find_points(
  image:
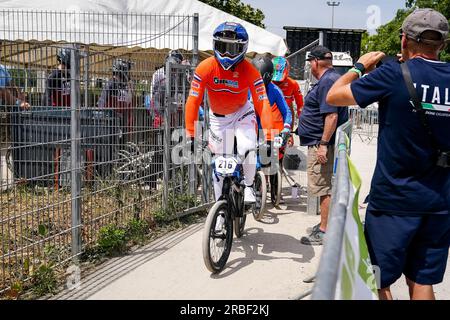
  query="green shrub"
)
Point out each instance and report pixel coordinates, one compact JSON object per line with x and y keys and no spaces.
{"x":112,"y":240}
{"x":160,"y":216}
{"x":137,"y":230}
{"x":44,"y":280}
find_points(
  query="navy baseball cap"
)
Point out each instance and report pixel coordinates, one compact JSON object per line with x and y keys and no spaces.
{"x":320,"y":53}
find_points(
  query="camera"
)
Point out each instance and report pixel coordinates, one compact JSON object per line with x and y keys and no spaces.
{"x":387,"y":59}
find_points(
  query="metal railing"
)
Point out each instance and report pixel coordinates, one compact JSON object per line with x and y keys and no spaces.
{"x":328,"y":271}
{"x":298,"y":70}
{"x":94,"y":146}
{"x":365,"y":122}
{"x":345,"y":270}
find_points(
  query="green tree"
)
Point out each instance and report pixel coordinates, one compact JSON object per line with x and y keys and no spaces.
{"x":387,"y":39}
{"x":443,"y":6}
{"x":239,"y":9}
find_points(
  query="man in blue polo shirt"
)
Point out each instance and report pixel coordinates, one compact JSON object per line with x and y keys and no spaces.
{"x":317,"y":128}
{"x":408,"y":217}
{"x":9,"y":94}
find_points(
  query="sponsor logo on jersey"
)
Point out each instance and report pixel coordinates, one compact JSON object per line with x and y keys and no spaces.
{"x":227,"y":83}
{"x":214,"y":136}
{"x":262,"y":97}
{"x":235,"y":74}
{"x":260,"y":89}
{"x":193,"y":93}
{"x":195,"y":85}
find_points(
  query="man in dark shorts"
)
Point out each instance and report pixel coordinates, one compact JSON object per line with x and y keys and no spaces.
{"x":408,"y":217}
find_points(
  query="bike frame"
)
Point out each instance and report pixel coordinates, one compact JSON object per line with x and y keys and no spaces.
{"x":233,"y":193}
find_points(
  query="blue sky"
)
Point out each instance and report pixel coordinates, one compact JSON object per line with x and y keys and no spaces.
{"x":316,"y":13}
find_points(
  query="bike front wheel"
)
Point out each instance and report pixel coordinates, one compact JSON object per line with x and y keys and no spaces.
{"x":239,"y":225}
{"x":217,"y":237}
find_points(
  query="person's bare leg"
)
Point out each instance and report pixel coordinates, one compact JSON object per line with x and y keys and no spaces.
{"x":420,"y":291}
{"x":324,"y":209}
{"x":385,"y":294}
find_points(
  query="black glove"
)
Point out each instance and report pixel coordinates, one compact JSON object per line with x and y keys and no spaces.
{"x":285,"y":136}
{"x":269,"y":148}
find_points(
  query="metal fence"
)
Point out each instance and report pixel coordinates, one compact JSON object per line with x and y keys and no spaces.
{"x":94,"y":145}
{"x":297,"y":61}
{"x":327,"y":273}
{"x":365,"y":122}
{"x":345,"y":270}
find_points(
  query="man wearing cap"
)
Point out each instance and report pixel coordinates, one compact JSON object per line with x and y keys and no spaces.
{"x":317,"y":127}
{"x":407,"y":224}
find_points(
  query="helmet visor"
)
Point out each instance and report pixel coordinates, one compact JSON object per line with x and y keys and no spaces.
{"x":228,"y":48}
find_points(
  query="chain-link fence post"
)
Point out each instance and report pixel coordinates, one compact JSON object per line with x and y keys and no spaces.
{"x":195,"y":39}
{"x":206,"y":156}
{"x":75,"y":149}
{"x":166,"y":139}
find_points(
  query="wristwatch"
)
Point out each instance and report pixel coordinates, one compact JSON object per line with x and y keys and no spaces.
{"x":323,"y":143}
{"x":359,"y":66}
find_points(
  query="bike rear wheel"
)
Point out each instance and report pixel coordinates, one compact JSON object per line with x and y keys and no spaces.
{"x":217,"y":237}
{"x":275,"y":188}
{"x":261,"y":195}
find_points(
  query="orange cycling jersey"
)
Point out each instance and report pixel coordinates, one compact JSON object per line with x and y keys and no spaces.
{"x":227,"y":92}
{"x":291,"y":92}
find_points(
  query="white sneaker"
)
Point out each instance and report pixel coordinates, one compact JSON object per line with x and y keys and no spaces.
{"x":249,"y":195}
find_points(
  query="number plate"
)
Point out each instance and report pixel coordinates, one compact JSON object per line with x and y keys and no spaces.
{"x":225,"y":166}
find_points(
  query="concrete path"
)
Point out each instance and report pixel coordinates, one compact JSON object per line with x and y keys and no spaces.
{"x":268,"y":262}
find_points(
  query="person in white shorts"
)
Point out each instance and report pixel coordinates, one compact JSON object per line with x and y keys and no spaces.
{"x":228,"y":77}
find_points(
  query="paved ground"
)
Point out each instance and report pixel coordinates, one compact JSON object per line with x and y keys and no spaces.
{"x":267,"y":263}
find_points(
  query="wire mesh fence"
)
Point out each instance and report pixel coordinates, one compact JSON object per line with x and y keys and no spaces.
{"x":297,"y":61}
{"x":89,"y":104}
{"x":365,"y":122}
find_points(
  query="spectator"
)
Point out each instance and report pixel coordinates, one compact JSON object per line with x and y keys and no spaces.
{"x":9,"y":93}
{"x":407,"y":223}
{"x":158,"y":87}
{"x":118,"y":93}
{"x":57,"y":89}
{"x":317,"y":128}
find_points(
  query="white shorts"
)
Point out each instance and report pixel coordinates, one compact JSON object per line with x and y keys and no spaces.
{"x":223,"y":129}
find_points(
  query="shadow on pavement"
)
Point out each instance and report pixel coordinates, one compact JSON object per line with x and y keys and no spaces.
{"x":254,"y":238}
